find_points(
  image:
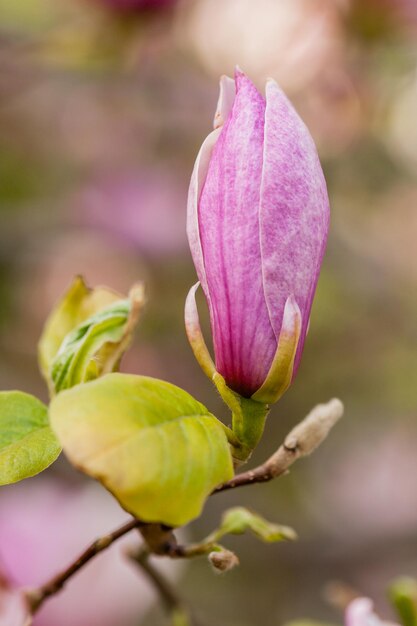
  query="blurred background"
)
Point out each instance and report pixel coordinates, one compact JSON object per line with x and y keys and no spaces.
{"x":103,"y":107}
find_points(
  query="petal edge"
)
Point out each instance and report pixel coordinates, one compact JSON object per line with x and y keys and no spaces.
{"x":281,"y":371}
{"x":195,"y":336}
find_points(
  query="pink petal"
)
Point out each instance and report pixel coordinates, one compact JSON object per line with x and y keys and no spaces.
{"x":360,"y":613}
{"x":229,"y":230}
{"x":294,"y":212}
{"x":197,"y":181}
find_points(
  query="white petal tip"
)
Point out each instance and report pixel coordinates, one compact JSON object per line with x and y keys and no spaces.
{"x":194,"y":334}
{"x":225,"y":102}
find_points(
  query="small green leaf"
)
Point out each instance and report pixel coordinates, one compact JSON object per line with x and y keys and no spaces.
{"x":157,"y":449}
{"x":76,"y":305}
{"x":238,"y":520}
{"x":27,"y":443}
{"x":403,"y":595}
{"x":85,"y":352}
{"x":86,"y":334}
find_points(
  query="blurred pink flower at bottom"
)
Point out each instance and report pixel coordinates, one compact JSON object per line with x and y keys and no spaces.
{"x":44,"y":526}
{"x":360,"y":613}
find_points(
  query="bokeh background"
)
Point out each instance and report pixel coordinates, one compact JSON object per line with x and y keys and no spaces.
{"x":103,"y":106}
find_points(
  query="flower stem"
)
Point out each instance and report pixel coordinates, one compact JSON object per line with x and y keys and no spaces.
{"x":248,"y":419}
{"x":249,"y":423}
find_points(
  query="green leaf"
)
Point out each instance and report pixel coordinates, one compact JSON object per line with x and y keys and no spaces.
{"x":85,"y":352}
{"x":86,"y":334}
{"x":238,"y":520}
{"x":157,"y":449}
{"x":76,"y":305}
{"x":403,"y":595}
{"x":27,"y":443}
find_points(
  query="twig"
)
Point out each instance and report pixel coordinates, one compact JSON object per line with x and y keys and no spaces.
{"x":170,"y":598}
{"x":174,"y":603}
{"x":301,"y":441}
{"x":36,"y":597}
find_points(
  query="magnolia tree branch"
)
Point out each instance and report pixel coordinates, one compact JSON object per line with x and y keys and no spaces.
{"x":36,"y":597}
{"x":300,"y":442}
{"x":173,"y":602}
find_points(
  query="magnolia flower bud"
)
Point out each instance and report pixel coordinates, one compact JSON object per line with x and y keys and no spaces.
{"x":223,"y":561}
{"x":258,"y":216}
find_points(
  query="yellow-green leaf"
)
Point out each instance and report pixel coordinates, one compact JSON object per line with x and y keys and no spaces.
{"x":27,"y":443}
{"x":238,"y":520}
{"x":155,"y":447}
{"x":86,"y":334}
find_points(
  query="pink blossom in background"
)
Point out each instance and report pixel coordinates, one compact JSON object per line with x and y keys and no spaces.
{"x":144,"y":209}
{"x":408,"y":9}
{"x":137,"y":6}
{"x":301,"y":44}
{"x":44,"y":525}
{"x":292,"y":41}
{"x":360,"y":613}
{"x":382,"y":506}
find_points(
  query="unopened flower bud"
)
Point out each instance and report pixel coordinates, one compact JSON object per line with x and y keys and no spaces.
{"x":223,"y":561}
{"x":258,"y":216}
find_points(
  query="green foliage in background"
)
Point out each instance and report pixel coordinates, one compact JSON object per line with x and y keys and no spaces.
{"x":403,"y":595}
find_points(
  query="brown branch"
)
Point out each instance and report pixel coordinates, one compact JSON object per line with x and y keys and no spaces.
{"x":301,"y":441}
{"x":36,"y":597}
{"x":170,"y":598}
{"x":174,"y":603}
